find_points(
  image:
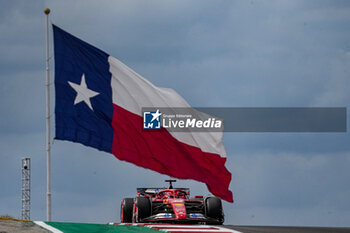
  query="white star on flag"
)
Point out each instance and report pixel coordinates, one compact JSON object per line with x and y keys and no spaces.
{"x":83,"y":92}
{"x":156,"y":115}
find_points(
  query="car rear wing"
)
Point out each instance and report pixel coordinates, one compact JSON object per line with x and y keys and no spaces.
{"x":151,"y":192}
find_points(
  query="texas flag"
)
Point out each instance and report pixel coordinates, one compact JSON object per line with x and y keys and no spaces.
{"x":99,"y":103}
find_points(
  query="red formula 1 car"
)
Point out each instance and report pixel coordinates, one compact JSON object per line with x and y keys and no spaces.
{"x":171,"y":205}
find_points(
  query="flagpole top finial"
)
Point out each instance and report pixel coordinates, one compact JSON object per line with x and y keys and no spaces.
{"x":47,"y":11}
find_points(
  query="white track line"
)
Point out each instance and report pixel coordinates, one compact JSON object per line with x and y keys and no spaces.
{"x":230,"y":230}
{"x":47,"y":227}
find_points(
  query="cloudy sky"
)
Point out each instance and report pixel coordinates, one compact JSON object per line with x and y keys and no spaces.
{"x":215,"y":54}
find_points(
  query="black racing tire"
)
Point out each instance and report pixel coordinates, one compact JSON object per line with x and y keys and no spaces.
{"x":142,"y":208}
{"x":126,"y":210}
{"x":213,"y":209}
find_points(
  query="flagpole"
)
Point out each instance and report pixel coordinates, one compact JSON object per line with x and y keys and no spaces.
{"x":48,"y":143}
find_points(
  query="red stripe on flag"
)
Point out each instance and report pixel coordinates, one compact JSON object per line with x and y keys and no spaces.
{"x":158,"y":150}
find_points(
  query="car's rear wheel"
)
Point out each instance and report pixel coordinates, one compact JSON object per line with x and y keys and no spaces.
{"x":142,"y":208}
{"x":213,"y":209}
{"x":126,"y":210}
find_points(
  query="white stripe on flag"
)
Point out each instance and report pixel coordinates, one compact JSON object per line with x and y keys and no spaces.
{"x":131,"y":91}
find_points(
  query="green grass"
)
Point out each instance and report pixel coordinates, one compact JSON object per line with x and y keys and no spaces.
{"x":95,"y":228}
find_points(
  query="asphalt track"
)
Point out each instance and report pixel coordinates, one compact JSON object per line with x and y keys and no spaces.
{"x":173,"y":228}
{"x":7,"y":226}
{"x":286,"y":229}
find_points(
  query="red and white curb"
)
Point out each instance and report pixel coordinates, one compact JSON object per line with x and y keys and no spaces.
{"x":182,"y":228}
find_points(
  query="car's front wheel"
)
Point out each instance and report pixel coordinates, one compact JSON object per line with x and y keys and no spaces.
{"x":213,"y":209}
{"x":142,"y":208}
{"x":126,"y":210}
